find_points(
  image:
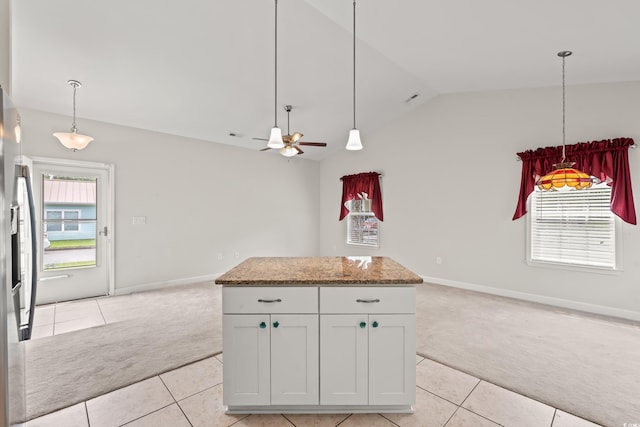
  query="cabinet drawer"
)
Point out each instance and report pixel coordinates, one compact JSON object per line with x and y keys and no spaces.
{"x":368,"y":300}
{"x":269,"y":300}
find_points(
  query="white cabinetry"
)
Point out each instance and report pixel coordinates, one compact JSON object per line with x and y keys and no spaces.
{"x":319,"y":349}
{"x":270,"y":358}
{"x":367,"y":358}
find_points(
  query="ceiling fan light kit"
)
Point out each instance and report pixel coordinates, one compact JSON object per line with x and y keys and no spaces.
{"x":288,"y":151}
{"x":564,"y":176}
{"x":73,"y":140}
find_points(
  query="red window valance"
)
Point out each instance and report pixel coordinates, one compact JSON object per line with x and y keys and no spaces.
{"x":607,"y":160}
{"x":353,"y":185}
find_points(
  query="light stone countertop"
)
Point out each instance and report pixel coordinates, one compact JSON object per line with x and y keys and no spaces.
{"x":319,"y":271}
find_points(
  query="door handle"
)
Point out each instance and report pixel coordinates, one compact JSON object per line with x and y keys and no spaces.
{"x":270,"y":300}
{"x":104,"y":232}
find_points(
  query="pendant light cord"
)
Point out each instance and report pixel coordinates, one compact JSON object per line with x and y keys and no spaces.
{"x":275,"y":98}
{"x":563,"y":113}
{"x":354,"y":64}
{"x":73,"y":124}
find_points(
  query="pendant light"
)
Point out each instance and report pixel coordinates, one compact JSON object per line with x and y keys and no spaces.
{"x":275,"y":138}
{"x":564,"y":176}
{"x":354,"y":143}
{"x":73,"y":140}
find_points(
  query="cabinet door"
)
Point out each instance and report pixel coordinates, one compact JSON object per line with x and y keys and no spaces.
{"x":392,"y":359}
{"x":294,"y":359}
{"x":343,"y":359}
{"x":247,"y":359}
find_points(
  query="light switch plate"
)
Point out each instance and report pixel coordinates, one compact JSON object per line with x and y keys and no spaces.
{"x":139,"y":220}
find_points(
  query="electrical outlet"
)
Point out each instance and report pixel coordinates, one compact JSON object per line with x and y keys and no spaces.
{"x":237,"y":254}
{"x":438,"y":260}
{"x":220,"y":256}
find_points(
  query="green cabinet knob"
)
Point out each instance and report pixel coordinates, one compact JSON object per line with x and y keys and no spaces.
{"x":263,"y":325}
{"x":276,"y":324}
{"x":362,"y":324}
{"x":374,"y":324}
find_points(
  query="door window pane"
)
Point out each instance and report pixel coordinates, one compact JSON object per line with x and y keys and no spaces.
{"x":69,"y":224}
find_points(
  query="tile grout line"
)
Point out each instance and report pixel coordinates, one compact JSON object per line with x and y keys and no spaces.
{"x":86,"y":413}
{"x":472,"y":390}
{"x":395,"y":424}
{"x":100,"y":311}
{"x":451,"y":417}
{"x":553,"y":419}
{"x":438,"y":396}
{"x":342,"y":422}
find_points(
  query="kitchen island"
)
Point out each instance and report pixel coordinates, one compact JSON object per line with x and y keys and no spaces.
{"x":319,"y":335}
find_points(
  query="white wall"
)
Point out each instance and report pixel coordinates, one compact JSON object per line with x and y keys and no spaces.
{"x":200,"y":199}
{"x":451,"y":182}
{"x":5,"y":45}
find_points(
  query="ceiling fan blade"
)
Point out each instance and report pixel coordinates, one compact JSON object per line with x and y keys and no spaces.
{"x":260,"y":139}
{"x":266,"y":148}
{"x":313,"y":144}
{"x":298,"y":148}
{"x":296,"y":136}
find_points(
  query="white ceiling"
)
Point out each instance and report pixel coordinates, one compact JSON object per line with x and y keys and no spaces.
{"x":205,"y":68}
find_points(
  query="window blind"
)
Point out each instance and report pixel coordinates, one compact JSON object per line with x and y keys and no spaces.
{"x":362,"y":227}
{"x":573,"y":227}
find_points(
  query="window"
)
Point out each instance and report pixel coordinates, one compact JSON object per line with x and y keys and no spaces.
{"x":362,"y":225}
{"x":62,"y":220}
{"x":572,"y":228}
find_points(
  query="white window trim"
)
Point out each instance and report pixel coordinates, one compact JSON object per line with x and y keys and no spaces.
{"x":617,"y":270}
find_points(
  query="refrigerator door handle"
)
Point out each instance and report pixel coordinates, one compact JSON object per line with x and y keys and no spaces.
{"x":34,"y":252}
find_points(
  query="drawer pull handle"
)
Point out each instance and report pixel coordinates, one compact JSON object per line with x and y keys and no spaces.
{"x":276,"y":324}
{"x":263,"y":325}
{"x":368,"y":301}
{"x":374,"y":324}
{"x":270,"y":300}
{"x":363,"y":324}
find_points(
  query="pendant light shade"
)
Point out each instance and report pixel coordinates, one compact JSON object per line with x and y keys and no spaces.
{"x":275,"y":138}
{"x":564,"y":176}
{"x":73,"y":140}
{"x":354,"y":142}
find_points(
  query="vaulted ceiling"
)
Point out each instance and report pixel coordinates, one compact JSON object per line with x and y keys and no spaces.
{"x":205,"y":68}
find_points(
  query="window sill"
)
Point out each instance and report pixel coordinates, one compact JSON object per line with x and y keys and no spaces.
{"x":572,"y":267}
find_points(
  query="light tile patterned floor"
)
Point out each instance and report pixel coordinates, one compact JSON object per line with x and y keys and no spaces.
{"x":191,"y":396}
{"x":55,"y":319}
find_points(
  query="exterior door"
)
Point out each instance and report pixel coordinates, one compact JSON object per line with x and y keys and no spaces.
{"x":74,"y":217}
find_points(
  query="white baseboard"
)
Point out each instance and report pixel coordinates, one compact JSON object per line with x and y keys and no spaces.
{"x":558,"y":302}
{"x":159,"y":285}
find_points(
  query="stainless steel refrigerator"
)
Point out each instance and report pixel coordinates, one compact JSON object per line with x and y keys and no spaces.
{"x":18,"y":266}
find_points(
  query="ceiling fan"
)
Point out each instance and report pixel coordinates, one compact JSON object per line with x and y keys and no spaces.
{"x":292,"y":140}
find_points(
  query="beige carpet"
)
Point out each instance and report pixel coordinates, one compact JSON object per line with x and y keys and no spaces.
{"x":582,"y":364}
{"x":153,"y":332}
{"x":585,"y":365}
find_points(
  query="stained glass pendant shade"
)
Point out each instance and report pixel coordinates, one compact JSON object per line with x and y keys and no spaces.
{"x":564,"y":176}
